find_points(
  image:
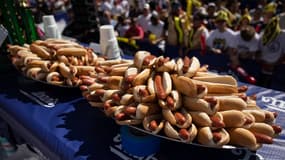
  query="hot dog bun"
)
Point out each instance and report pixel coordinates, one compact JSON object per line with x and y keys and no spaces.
{"x":244,"y":138}
{"x":210,"y":137}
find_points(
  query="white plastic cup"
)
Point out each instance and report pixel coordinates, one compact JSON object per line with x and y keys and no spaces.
{"x":51,"y":31}
{"x":108,"y":42}
{"x":48,"y":20}
{"x":107,"y":32}
{"x":112,"y":50}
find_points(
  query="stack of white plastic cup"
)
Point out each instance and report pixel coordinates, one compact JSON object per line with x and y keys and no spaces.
{"x":50,"y":27}
{"x":108,"y":42}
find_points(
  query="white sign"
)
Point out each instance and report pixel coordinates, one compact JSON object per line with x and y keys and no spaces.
{"x":274,"y":103}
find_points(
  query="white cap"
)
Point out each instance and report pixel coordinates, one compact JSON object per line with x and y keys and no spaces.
{"x":212,"y":5}
{"x":146,"y":6}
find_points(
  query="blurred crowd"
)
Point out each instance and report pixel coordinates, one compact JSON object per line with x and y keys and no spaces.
{"x":243,"y":30}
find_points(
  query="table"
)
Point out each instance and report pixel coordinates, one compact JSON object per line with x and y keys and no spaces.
{"x":72,"y":130}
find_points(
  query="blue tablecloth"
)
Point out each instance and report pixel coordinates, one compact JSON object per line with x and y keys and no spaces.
{"x":74,"y":130}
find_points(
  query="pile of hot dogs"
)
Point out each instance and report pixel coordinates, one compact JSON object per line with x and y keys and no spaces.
{"x":58,"y":62}
{"x":182,"y":100}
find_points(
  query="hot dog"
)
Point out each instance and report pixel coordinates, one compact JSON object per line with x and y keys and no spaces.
{"x":29,"y":59}
{"x":146,"y":109}
{"x":111,"y":82}
{"x":13,"y":49}
{"x":210,"y":137}
{"x":125,"y":99}
{"x":153,"y":123}
{"x":110,"y":107}
{"x":85,"y":70}
{"x":162,"y":85}
{"x":71,"y":52}
{"x":202,"y":119}
{"x":164,"y":65}
{"x":229,"y":103}
{"x":184,"y":134}
{"x":224,"y":79}
{"x":173,"y":101}
{"x":40,"y":51}
{"x":54,"y":78}
{"x":180,"y":118}
{"x":117,"y":71}
{"x":243,"y":137}
{"x":258,"y":114}
{"x":106,"y":94}
{"x":33,"y":72}
{"x":142,"y":94}
{"x":187,"y":67}
{"x":187,"y":87}
{"x":144,"y":59}
{"x":262,"y":128}
{"x":142,"y":77}
{"x":209,"y":105}
{"x":218,"y":88}
{"x":125,"y":115}
{"x":234,"y":118}
{"x":66,"y":71}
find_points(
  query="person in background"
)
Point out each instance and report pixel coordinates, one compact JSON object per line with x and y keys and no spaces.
{"x":257,"y":19}
{"x":155,"y":31}
{"x":269,"y":12}
{"x":177,"y":30}
{"x":221,"y":39}
{"x":211,"y":10}
{"x":245,"y":45}
{"x":144,"y":19}
{"x":126,"y":7}
{"x":117,"y":9}
{"x":272,"y":50}
{"x":245,"y":20}
{"x":234,"y":8}
{"x":198,"y":34}
{"x":135,"y":32}
{"x":282,"y":16}
{"x":106,"y":6}
{"x":122,"y":26}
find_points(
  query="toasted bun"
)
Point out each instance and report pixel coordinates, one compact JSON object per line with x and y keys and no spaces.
{"x":224,"y":79}
{"x":40,"y":51}
{"x":197,"y":104}
{"x":234,"y":118}
{"x":262,"y":128}
{"x":218,"y":88}
{"x":243,"y":137}
{"x":259,"y":115}
{"x":229,"y":103}
{"x":201,"y":119}
{"x":181,"y":82}
{"x":72,"y":51}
